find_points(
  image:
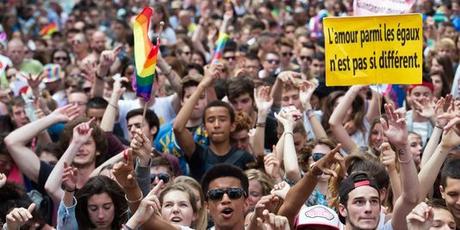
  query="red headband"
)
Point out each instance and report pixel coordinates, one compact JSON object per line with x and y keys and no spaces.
{"x":427,"y":84}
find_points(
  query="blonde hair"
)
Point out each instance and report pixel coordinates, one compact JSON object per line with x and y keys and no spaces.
{"x":265,"y":181}
{"x":201,"y":221}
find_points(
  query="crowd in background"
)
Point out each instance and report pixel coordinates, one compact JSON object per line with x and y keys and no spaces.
{"x":250,"y":139}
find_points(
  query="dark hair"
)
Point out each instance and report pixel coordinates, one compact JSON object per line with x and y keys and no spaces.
{"x":99,"y":185}
{"x":224,"y":170}
{"x":369,"y":164}
{"x":447,"y":67}
{"x":97,"y":134}
{"x":351,"y":182}
{"x":238,"y":86}
{"x":450,"y":169}
{"x":218,"y":103}
{"x":97,"y":103}
{"x":446,"y":84}
{"x":161,"y":161}
{"x":318,"y":56}
{"x":196,"y":67}
{"x":60,"y":49}
{"x":150,"y":117}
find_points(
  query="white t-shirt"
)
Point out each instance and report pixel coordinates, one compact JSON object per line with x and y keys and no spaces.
{"x":163,"y":108}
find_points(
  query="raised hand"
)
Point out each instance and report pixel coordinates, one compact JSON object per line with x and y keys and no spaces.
{"x":141,"y":145}
{"x":424,"y":108}
{"x":272,"y":221}
{"x":2,"y":180}
{"x":272,"y":166}
{"x":89,"y":70}
{"x":149,"y":206}
{"x":212,"y":72}
{"x":19,"y":216}
{"x":387,"y":156}
{"x":34,"y":80}
{"x":69,"y":178}
{"x":420,"y":218}
{"x":124,"y":171}
{"x":65,"y":113}
{"x":289,"y":76}
{"x":306,"y":91}
{"x":325,"y":164}
{"x":268,"y":202}
{"x":288,"y":116}
{"x":107,"y":58}
{"x":281,"y":189}
{"x":82,"y":132}
{"x":263,"y":100}
{"x":451,"y":137}
{"x":395,"y":128}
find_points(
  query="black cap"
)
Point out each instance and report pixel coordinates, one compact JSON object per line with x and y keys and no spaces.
{"x":356,"y":179}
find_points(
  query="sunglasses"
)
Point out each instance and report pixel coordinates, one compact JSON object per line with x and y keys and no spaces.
{"x":161,"y":176}
{"x":273,"y":61}
{"x":317,"y":156}
{"x":229,"y":58}
{"x":287,"y":54}
{"x":308,"y":58}
{"x":233,"y":193}
{"x":60,"y":58}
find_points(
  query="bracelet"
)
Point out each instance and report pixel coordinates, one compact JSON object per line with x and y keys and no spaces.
{"x":439,"y":127}
{"x":134,"y":201}
{"x":126,"y":227}
{"x":64,"y":188}
{"x":289,"y":133}
{"x":404,"y":162}
{"x":260,"y":124}
{"x":114,"y":106}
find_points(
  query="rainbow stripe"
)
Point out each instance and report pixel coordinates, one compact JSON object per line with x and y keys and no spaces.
{"x":48,"y":30}
{"x":220,"y":45}
{"x":145,"y":54}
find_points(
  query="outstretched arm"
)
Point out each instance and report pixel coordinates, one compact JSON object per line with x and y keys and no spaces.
{"x":263,"y":103}
{"x":306,"y":91}
{"x":81,"y":134}
{"x":111,"y":112}
{"x":183,"y":136}
{"x":337,"y":116}
{"x":300,"y":192}
{"x":16,"y":141}
{"x":396,"y":131}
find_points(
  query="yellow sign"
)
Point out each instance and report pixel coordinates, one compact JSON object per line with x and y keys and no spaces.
{"x":373,"y":50}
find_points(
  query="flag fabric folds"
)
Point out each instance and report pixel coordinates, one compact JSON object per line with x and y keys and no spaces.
{"x":220,"y":45}
{"x":48,"y":30}
{"x":145,"y":54}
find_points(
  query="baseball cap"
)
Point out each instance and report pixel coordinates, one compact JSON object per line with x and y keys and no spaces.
{"x":427,"y":84}
{"x":355,"y":180}
{"x":319,"y":216}
{"x":52,"y":73}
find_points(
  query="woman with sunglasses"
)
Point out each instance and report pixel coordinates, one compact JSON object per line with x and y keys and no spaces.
{"x":315,"y":152}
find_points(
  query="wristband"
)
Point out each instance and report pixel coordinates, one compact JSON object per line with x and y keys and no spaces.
{"x":260,"y":124}
{"x":134,"y":201}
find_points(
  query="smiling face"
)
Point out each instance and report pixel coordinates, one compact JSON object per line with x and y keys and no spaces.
{"x":101,"y":210}
{"x":362,"y":209}
{"x":177,"y":208}
{"x":227,"y":213}
{"x":86,"y":154}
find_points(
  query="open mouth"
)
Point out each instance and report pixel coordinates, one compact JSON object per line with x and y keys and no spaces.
{"x":227,"y":212}
{"x":176,"y":219}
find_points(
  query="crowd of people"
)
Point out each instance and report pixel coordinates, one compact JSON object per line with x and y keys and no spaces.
{"x":251,"y":138}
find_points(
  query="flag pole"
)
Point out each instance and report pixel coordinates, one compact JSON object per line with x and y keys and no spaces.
{"x":151,"y":94}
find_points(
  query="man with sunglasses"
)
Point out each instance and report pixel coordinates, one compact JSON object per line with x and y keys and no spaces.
{"x":270,"y":64}
{"x":286,"y":55}
{"x":226,"y":189}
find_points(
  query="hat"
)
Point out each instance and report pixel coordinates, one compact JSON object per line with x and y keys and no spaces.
{"x":355,"y":180}
{"x":317,"y":215}
{"x":427,"y":84}
{"x":192,"y":78}
{"x":52,"y":73}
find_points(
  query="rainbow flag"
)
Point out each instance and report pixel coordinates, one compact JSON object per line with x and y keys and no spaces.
{"x":145,"y":54}
{"x":220,"y":45}
{"x":49,"y":29}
